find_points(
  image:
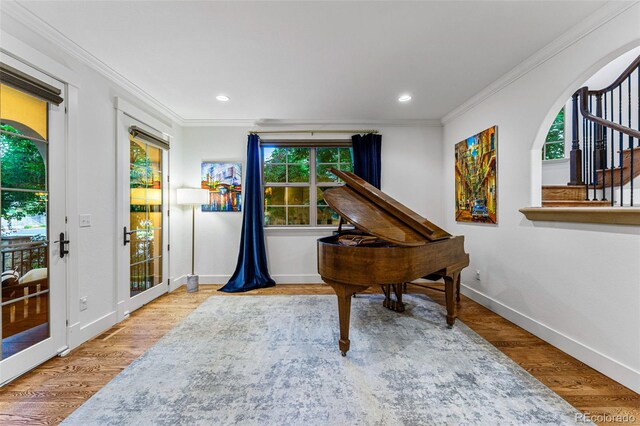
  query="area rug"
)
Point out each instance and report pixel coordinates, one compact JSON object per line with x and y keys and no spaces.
{"x":274,"y":360}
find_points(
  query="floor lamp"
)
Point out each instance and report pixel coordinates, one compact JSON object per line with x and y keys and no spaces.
{"x":192,"y":197}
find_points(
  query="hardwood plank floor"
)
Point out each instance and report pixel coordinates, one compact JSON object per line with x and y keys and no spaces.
{"x":53,"y":390}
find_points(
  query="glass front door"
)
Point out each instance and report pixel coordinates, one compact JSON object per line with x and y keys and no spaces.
{"x":25,"y":233}
{"x":145,"y":216}
{"x":33,"y":215}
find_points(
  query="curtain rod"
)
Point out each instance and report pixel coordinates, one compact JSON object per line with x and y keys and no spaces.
{"x":255,"y":132}
{"x":142,"y":134}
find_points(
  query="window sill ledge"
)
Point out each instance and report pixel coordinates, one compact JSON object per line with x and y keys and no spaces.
{"x":606,"y":215}
{"x":556,"y":161}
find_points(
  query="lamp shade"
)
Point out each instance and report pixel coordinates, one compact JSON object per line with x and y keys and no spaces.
{"x":192,"y":196}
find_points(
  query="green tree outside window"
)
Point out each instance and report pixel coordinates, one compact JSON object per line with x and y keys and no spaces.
{"x":553,"y":148}
{"x":22,"y":168}
{"x":294,"y":180}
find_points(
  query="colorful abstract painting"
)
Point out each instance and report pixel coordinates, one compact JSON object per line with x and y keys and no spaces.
{"x":224,"y":182}
{"x":476,"y":178}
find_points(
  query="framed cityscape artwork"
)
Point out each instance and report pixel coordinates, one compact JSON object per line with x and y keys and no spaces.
{"x":224,"y":182}
{"x":476,"y":178}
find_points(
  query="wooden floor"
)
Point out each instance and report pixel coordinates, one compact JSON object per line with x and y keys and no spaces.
{"x":52,"y":391}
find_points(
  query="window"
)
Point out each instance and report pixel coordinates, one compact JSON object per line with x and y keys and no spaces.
{"x":553,"y":148}
{"x":295,"y":178}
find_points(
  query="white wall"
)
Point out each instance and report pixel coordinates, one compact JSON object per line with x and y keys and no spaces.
{"x":179,"y":220}
{"x":556,"y":172}
{"x":575,"y":285}
{"x":411,"y":173}
{"x":607,"y":74}
{"x":92,"y":127}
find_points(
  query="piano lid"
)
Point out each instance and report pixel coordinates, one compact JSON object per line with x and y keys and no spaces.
{"x":376,"y":213}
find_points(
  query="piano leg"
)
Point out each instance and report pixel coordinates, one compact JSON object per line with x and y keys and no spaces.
{"x":395,"y":305}
{"x":344,"y":293}
{"x":450,"y":284}
{"x":458,"y":289}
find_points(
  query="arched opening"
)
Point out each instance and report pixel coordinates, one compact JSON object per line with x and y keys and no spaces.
{"x":587,"y":153}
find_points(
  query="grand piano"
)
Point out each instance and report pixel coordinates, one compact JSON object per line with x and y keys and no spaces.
{"x":390,"y":246}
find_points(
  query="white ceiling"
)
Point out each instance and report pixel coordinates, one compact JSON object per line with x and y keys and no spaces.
{"x":311,"y":60}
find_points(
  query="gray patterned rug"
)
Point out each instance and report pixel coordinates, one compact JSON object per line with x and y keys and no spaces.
{"x":274,"y":360}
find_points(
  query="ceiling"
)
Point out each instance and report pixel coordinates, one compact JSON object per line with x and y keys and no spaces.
{"x":311,"y":60}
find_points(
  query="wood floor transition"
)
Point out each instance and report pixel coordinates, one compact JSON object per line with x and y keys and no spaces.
{"x":52,"y":391}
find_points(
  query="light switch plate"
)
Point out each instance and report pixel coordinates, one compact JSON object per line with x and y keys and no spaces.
{"x":85,"y":220}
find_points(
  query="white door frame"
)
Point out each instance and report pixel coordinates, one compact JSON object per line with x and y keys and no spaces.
{"x":128,"y":115}
{"x":58,"y":269}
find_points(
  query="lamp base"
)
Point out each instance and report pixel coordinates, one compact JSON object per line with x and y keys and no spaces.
{"x":192,"y":283}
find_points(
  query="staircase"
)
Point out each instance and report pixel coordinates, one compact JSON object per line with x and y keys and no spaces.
{"x":605,"y":149}
{"x":619,"y":175}
{"x":569,"y":196}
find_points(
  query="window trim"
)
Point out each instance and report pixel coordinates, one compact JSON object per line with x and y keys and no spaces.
{"x":306,"y":143}
{"x":312,"y":144}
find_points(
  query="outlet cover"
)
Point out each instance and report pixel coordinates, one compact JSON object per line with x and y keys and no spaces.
{"x":83,"y":303}
{"x":85,"y":220}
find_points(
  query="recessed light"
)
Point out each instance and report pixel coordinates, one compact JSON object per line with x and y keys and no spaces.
{"x":404,"y":98}
{"x":222,"y":98}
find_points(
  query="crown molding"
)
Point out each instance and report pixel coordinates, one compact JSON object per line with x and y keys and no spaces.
{"x":39,"y":26}
{"x":212,"y":122}
{"x":270,"y":122}
{"x":600,"y":17}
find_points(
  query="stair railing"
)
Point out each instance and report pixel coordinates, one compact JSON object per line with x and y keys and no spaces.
{"x":605,"y":160}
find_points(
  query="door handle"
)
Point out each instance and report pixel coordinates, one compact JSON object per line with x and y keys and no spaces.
{"x":63,"y":245}
{"x":126,"y":236}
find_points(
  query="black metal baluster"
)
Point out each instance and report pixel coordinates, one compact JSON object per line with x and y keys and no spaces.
{"x":591,"y":146}
{"x":630,"y":142}
{"x":604,"y":153}
{"x":594,"y":166}
{"x":584,"y":161}
{"x":598,"y":151}
{"x":587,"y":161}
{"x":620,"y":143}
{"x":612,"y":149}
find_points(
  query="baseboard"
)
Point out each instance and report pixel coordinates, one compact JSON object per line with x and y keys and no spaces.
{"x":79,"y":334}
{"x":297,"y":279}
{"x":617,"y":371}
{"x":213,"y":279}
{"x":121,"y":311}
{"x":177,"y":283}
{"x":279,"y":279}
